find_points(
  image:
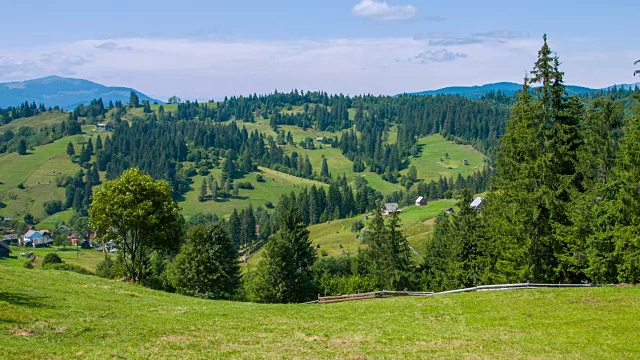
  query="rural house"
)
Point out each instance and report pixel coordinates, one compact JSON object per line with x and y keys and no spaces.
{"x":10,"y":239}
{"x":4,"y":250}
{"x":477,"y":203}
{"x":421,"y":201}
{"x":390,"y":208}
{"x":36,"y":238}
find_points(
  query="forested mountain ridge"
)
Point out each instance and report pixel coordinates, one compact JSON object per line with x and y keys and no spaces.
{"x":66,"y":93}
{"x":510,"y":89}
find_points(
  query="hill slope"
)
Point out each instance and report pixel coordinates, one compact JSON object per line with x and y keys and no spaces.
{"x":64,"y":92}
{"x":54,"y":314}
{"x":508,"y":88}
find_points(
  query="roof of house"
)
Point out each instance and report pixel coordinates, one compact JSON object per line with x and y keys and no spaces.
{"x":476,"y":202}
{"x":10,"y":237}
{"x":420,"y":198}
{"x":30,"y":233}
{"x":391,"y":207}
{"x":2,"y":245}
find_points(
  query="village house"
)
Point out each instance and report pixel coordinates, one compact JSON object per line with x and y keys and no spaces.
{"x":105,"y":127}
{"x":320,"y":139}
{"x":421,"y":201}
{"x":4,"y":250}
{"x":36,"y":238}
{"x":477,"y":203}
{"x":390,"y":208}
{"x":10,"y":239}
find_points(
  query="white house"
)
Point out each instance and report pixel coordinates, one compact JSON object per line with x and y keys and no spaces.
{"x":421,"y":201}
{"x":477,"y":203}
{"x":390,"y":208}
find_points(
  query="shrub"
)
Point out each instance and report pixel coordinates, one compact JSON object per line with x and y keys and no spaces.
{"x":357,"y":226}
{"x":259,"y":178}
{"x":245,"y":185}
{"x":53,"y":206}
{"x":104,"y":269}
{"x":68,"y":267}
{"x":28,"y":265}
{"x":51,"y":258}
{"x":20,"y":186}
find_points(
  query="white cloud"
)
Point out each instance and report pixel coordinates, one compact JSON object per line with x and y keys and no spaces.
{"x":381,"y":10}
{"x":200,"y":70}
{"x":110,"y":45}
{"x":441,"y":55}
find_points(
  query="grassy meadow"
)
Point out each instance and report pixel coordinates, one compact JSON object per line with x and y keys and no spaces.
{"x":36,"y":122}
{"x":62,"y":315}
{"x":87,"y":258}
{"x":416,"y":221}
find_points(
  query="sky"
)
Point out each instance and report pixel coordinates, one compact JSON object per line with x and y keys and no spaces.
{"x":211,"y":49}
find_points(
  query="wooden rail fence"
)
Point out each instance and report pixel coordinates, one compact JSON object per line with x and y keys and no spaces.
{"x":386,"y":294}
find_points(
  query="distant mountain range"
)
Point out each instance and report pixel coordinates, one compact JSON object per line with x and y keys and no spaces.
{"x":508,"y":88}
{"x":64,"y":92}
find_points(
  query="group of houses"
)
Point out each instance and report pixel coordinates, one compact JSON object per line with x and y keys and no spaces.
{"x":43,"y":238}
{"x":390,"y":208}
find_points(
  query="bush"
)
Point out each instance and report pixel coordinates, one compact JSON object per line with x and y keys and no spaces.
{"x":259,"y":178}
{"x":104,"y":269}
{"x":53,"y":206}
{"x":20,"y":186}
{"x":357,"y":226}
{"x":28,"y":265}
{"x":268,"y":205}
{"x":68,"y":267}
{"x":245,"y":185}
{"x":51,"y":258}
{"x":62,"y":180}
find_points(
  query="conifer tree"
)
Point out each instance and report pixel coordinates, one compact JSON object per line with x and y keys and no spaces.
{"x":284,"y":274}
{"x":203,"y":190}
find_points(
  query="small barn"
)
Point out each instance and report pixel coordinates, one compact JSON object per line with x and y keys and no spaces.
{"x":10,"y":239}
{"x":477,"y":203}
{"x":4,"y":250}
{"x":390,"y":208}
{"x":421,"y":201}
{"x":449,"y":211}
{"x":466,"y":162}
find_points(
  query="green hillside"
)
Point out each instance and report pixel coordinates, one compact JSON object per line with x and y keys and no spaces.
{"x":55,"y":314}
{"x":416,"y":222}
{"x":37,"y":171}
{"x":36,"y":122}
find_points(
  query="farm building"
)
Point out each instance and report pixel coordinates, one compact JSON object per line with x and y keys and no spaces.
{"x":421,"y":201}
{"x":477,"y":203}
{"x":390,"y":208}
{"x":4,"y":250}
{"x":10,"y":239}
{"x":36,"y":238}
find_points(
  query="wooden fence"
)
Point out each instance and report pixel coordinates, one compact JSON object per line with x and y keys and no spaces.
{"x":386,"y":294}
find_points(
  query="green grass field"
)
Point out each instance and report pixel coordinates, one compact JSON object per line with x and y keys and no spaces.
{"x":37,"y":171}
{"x":61,"y":315}
{"x":275,"y":185}
{"x":416,"y":221}
{"x":87,"y":258}
{"x":36,"y":122}
{"x":432,"y":163}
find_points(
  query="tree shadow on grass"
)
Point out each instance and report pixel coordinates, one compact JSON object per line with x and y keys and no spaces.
{"x":20,"y":299}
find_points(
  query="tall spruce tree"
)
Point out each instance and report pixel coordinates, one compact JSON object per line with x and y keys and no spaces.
{"x":284,"y":274}
{"x":207,"y":265}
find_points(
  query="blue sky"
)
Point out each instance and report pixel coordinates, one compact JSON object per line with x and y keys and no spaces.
{"x":209,"y":49}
